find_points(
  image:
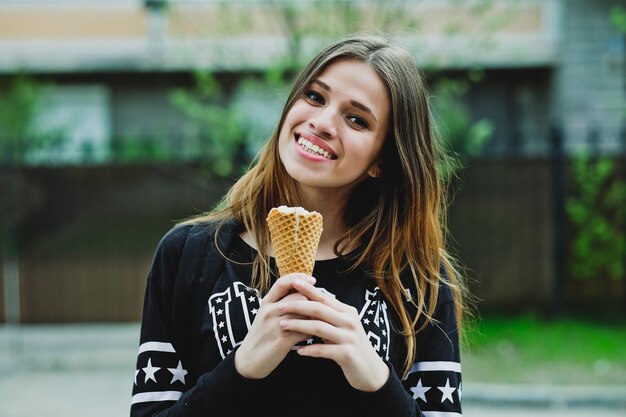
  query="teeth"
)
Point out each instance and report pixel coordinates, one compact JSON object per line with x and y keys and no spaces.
{"x":314,"y":149}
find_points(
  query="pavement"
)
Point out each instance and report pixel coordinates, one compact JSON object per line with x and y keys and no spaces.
{"x":88,"y":369}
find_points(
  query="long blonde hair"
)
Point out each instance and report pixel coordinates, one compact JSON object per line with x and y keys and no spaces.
{"x":399,"y":220}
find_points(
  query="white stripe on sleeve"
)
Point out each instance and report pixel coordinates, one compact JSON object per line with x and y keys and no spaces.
{"x":436,"y":366}
{"x":156,"y":396}
{"x":156,"y":347}
{"x":441,"y":414}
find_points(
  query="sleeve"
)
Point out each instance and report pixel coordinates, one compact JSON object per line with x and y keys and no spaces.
{"x":434,"y":381}
{"x":432,"y":387}
{"x":165,"y":382}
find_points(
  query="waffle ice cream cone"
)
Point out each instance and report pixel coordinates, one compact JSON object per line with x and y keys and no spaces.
{"x":295,"y":234}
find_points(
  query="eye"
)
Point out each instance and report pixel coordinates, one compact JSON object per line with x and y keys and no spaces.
{"x":358,"y":121}
{"x":314,"y":97}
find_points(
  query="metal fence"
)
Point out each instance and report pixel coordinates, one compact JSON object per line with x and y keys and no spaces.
{"x":86,"y":236}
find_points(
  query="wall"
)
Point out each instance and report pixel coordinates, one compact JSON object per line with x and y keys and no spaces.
{"x":92,"y":36}
{"x":589,"y":83}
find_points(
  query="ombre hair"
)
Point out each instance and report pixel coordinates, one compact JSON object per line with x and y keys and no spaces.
{"x":397,"y":219}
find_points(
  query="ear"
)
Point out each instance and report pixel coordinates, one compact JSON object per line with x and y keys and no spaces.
{"x":376,"y":170}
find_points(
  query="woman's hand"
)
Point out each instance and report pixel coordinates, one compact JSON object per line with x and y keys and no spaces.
{"x":345,"y":341}
{"x":267,"y":343}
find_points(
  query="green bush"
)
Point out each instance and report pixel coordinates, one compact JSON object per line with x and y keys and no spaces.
{"x":596,"y":210}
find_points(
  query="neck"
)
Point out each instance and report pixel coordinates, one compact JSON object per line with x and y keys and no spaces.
{"x":330,"y":204}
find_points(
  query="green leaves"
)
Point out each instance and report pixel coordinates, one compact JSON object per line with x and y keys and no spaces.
{"x":618,"y":18}
{"x":462,"y":135}
{"x":22,"y":101}
{"x":596,"y":210}
{"x":214,"y":124}
{"x":19,"y":104}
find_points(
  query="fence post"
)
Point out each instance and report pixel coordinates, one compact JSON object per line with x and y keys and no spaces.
{"x":9,"y":253}
{"x":557,"y":194}
{"x":621,"y":172}
{"x":593,"y":142}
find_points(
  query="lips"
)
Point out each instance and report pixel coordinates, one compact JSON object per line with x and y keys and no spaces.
{"x":312,"y":144}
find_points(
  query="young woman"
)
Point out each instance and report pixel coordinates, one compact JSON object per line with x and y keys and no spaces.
{"x":375,"y":330}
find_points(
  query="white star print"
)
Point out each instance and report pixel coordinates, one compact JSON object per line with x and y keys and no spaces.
{"x":309,"y":341}
{"x":254,"y":311}
{"x":178,"y":373}
{"x":419,"y":391}
{"x":224,"y":338}
{"x":447,"y":391}
{"x":219,"y":300}
{"x":251,"y":299}
{"x":370,"y":312}
{"x":150,"y":371}
{"x":366,"y":321}
{"x":384,"y":332}
{"x":219,"y":312}
{"x":221,"y":324}
{"x":136,"y":373}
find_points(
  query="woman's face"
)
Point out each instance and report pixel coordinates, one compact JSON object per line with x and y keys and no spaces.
{"x":334,"y":133}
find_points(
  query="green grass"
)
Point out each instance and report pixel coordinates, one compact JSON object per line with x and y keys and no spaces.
{"x":531,"y":350}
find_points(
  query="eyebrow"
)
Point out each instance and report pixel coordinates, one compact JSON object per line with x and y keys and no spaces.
{"x":355,"y":103}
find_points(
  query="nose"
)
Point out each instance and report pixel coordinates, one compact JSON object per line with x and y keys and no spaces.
{"x":324,"y":122}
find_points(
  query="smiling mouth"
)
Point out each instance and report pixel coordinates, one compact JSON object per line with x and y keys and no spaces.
{"x":309,"y":147}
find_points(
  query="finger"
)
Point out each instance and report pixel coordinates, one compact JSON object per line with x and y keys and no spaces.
{"x":284,"y":285}
{"x":277,"y":309}
{"x":286,"y":300}
{"x":293,"y":317}
{"x":316,"y":294}
{"x":296,"y":337}
{"x":314,"y":310}
{"x":293,"y":296}
{"x":317,"y":328}
{"x":322,"y":350}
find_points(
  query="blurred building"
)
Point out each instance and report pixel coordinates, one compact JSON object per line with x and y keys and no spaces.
{"x":114,"y":62}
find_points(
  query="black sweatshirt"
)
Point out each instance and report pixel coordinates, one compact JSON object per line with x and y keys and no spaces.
{"x":199,"y":306}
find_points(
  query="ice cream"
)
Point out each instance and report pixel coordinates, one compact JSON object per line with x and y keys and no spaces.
{"x":295,"y":234}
